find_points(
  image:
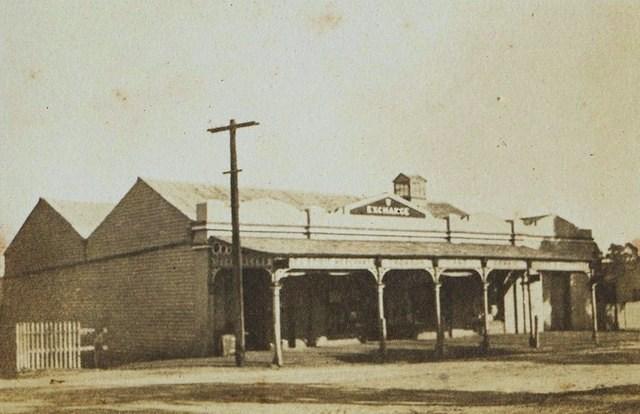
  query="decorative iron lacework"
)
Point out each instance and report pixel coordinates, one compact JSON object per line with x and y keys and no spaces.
{"x":221,"y":257}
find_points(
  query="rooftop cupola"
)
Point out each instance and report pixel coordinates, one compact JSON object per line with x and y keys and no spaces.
{"x":410,"y":187}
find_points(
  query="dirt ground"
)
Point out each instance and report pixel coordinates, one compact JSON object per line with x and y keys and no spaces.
{"x":567,"y":375}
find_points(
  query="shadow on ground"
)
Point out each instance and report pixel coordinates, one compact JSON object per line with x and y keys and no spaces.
{"x":556,"y":348}
{"x":622,"y":399}
{"x":595,"y":355}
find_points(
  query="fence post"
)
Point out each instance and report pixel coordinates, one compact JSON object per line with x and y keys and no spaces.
{"x":54,"y":346}
{"x":18,"y":348}
{"x":36,"y":345}
{"x":77,"y":343}
{"x":60,"y":334}
{"x":73,"y":344}
{"x":26,"y":347}
{"x":56,"y":349}
{"x":43,"y":345}
{"x":56,"y":333}
{"x":47,"y":345}
{"x":65,"y":337}
{"x":70,"y":341}
{"x":37,"y":339}
{"x":29,"y":345}
{"x":63,"y":346}
{"x":24,"y":343}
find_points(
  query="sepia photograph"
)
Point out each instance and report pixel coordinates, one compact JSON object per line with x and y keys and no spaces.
{"x":322,"y":207}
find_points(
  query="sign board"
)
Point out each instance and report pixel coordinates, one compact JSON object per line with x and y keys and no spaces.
{"x":506,"y":264}
{"x":337,"y":263}
{"x":459,"y":264}
{"x":561,"y":266}
{"x":388,"y":207}
{"x":410,"y":264}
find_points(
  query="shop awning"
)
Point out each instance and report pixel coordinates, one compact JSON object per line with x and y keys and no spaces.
{"x":282,"y":247}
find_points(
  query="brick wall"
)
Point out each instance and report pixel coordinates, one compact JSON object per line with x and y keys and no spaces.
{"x":153,"y":303}
{"x":142,"y":219}
{"x":137,"y":275}
{"x":45,"y":240}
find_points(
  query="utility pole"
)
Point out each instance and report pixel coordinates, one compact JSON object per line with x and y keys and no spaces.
{"x":235,"y":235}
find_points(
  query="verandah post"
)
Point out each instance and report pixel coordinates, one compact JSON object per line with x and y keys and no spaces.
{"x":532,"y":338}
{"x":276,"y":286}
{"x":440,"y":332}
{"x":594,"y":308}
{"x":484,"y":275}
{"x":485,"y":301}
{"x":379,"y":272}
{"x":277,"y":333}
{"x":523,"y":284}
{"x":382,"y":328}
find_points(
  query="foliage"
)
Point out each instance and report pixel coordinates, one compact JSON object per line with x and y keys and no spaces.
{"x":621,"y":262}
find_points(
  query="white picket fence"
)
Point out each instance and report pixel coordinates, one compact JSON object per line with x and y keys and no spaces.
{"x":49,"y":345}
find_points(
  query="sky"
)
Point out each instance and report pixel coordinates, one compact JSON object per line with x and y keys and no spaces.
{"x":512,"y":108}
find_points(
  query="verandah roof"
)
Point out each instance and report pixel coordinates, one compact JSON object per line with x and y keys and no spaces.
{"x":395,"y":249}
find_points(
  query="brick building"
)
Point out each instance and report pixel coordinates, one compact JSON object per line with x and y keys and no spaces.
{"x":3,"y":246}
{"x":155,"y":269}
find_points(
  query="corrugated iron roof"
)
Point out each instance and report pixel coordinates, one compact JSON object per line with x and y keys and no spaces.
{"x":84,"y":217}
{"x":439,"y":210}
{"x":444,"y":210}
{"x":185,"y":196}
{"x":365,"y":248}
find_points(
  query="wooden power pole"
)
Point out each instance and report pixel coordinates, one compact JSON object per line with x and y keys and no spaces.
{"x":235,"y":236}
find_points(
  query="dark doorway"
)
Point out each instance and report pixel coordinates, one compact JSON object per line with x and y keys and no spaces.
{"x":221,"y":297}
{"x":351,"y":302}
{"x":409,"y":303}
{"x":257,"y":308}
{"x":557,"y":293}
{"x":462,"y":303}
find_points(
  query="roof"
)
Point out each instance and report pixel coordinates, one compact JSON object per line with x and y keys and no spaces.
{"x":84,"y":217}
{"x":362,"y":248}
{"x":444,"y":209}
{"x":411,"y":177}
{"x":439,"y":209}
{"x":186,"y":196}
{"x":534,"y":219}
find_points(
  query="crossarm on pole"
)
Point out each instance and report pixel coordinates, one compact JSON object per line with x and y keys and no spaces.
{"x":236,"y":126}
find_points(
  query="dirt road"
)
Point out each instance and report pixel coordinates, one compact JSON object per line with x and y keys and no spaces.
{"x":602,"y":379}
